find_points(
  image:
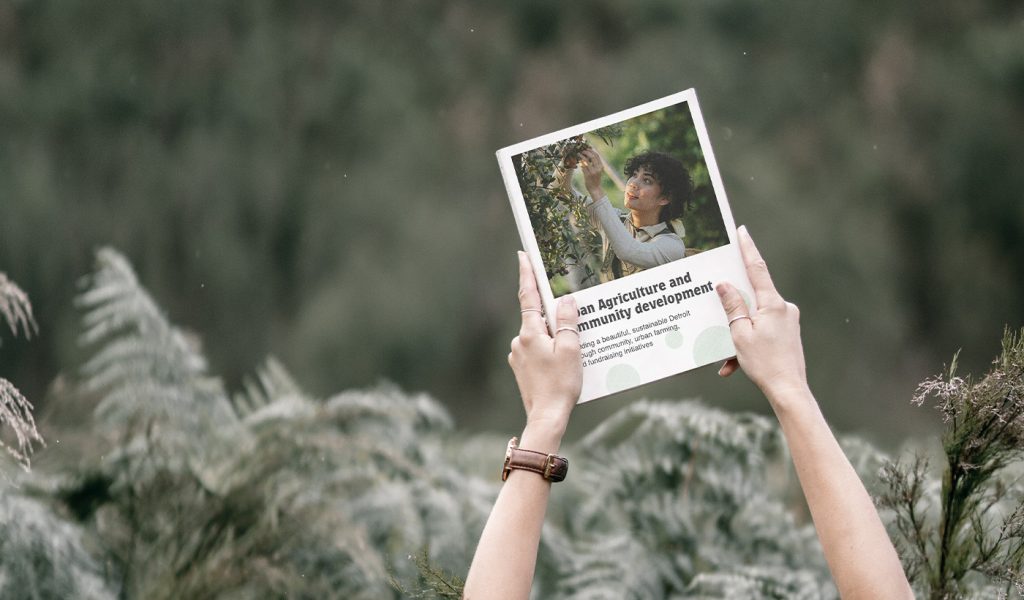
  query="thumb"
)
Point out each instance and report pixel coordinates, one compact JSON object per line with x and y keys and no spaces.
{"x":734,"y":307}
{"x":567,"y":336}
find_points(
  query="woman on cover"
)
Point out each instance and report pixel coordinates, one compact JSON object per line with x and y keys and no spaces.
{"x":547,"y":368}
{"x":650,"y":232}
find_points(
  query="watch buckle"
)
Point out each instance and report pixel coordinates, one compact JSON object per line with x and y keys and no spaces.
{"x":550,"y":465}
{"x":513,"y":444}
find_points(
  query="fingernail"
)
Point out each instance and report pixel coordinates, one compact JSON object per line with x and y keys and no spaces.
{"x":722,"y":288}
{"x":571,"y":301}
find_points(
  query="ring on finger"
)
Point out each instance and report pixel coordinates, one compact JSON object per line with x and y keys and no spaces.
{"x":568,"y":328}
{"x":536,"y":310}
{"x":734,"y":319}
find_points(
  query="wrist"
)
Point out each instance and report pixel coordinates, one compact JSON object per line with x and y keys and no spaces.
{"x":543,"y":434}
{"x":788,"y":397}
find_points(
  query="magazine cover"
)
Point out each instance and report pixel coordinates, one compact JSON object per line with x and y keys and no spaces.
{"x":628,"y":214}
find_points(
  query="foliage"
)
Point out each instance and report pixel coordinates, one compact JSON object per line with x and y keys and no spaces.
{"x":557,"y":217}
{"x":43,"y":556}
{"x":271,"y":492}
{"x":675,"y":500}
{"x":372,"y":494}
{"x":15,"y":409}
{"x":970,"y":533}
{"x":434,"y":581}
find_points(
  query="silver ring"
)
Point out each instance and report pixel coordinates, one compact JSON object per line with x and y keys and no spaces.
{"x":567,"y":328}
{"x":536,"y":310}
{"x":734,"y":319}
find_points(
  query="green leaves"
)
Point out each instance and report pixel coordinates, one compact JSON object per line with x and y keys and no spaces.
{"x":560,"y":223}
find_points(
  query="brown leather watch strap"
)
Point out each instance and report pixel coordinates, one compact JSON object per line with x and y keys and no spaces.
{"x":549,"y":466}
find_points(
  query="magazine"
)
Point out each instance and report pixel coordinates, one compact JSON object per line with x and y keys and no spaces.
{"x":629,"y":215}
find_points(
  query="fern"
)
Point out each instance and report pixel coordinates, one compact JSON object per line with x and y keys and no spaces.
{"x":271,"y":492}
{"x":669,"y":491}
{"x":41,"y":556}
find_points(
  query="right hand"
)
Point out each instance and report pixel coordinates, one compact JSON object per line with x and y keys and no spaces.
{"x":593,"y":168}
{"x":768,"y":346}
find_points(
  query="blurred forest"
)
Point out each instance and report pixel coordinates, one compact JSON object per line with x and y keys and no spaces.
{"x":316,"y":180}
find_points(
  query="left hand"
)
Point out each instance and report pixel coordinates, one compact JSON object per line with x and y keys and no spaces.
{"x":547,"y":369}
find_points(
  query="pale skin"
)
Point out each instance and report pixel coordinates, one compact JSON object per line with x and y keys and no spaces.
{"x":857,"y":548}
{"x":549,"y":375}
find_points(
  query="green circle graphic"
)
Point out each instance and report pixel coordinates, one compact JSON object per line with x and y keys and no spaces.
{"x":714,"y":343}
{"x":673,"y":339}
{"x":621,"y":377}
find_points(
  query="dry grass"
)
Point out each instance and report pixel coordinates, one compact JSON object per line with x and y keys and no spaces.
{"x":15,"y":409}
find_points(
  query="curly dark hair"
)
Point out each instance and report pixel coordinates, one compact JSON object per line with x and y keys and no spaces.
{"x":670,"y":174}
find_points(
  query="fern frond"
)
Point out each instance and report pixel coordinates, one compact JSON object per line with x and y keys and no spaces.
{"x":120,"y":311}
{"x":756,"y":583}
{"x":678,"y":489}
{"x":146,"y":368}
{"x":15,"y":308}
{"x":16,"y":414}
{"x":272,"y":384}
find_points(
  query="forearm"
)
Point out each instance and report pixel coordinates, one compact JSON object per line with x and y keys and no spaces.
{"x":857,"y":547}
{"x":642,"y":254}
{"x":506,"y":556}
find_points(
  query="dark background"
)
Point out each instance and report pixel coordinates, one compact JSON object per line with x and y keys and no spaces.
{"x":316,"y":180}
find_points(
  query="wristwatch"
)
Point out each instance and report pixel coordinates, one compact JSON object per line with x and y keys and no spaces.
{"x":549,"y":466}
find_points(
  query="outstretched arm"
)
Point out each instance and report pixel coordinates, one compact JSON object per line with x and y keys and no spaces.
{"x":857,"y":548}
{"x":662,"y":249}
{"x":549,"y":376}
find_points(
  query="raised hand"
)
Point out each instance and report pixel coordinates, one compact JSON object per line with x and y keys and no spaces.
{"x":593,"y":168}
{"x":767,"y":339}
{"x":547,"y":368}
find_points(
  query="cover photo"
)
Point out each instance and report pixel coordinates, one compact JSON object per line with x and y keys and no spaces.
{"x":628,"y":214}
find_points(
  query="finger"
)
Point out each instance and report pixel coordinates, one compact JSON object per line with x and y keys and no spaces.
{"x":529,"y":298}
{"x":734,"y":307}
{"x":729,"y":367}
{"x":567,"y":336}
{"x":757,"y":270}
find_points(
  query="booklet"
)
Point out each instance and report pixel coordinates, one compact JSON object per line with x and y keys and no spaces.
{"x":628,"y":214}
